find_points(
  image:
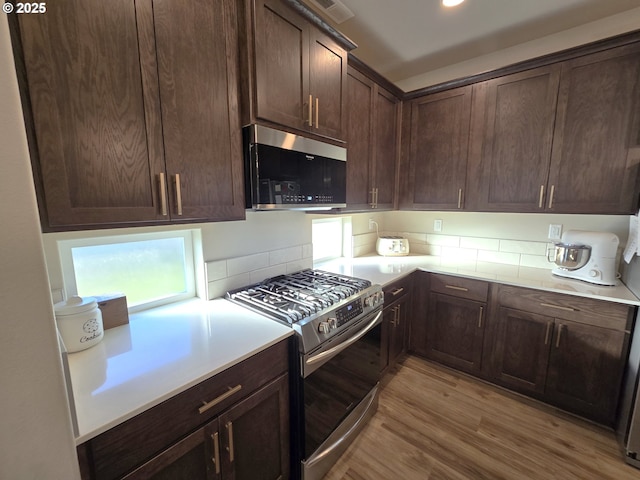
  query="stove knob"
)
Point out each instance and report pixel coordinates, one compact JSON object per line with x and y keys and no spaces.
{"x":333,"y":323}
{"x":367,"y":302}
{"x":323,"y":327}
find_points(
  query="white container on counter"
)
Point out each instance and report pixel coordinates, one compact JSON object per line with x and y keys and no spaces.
{"x":79,"y":322}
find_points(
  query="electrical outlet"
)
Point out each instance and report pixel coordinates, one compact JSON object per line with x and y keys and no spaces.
{"x":555,"y":232}
{"x":371,"y":223}
{"x":437,"y":225}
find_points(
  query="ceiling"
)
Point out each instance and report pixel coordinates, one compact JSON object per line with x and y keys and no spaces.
{"x":404,"y":38}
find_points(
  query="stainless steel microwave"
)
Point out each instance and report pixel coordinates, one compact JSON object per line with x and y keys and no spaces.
{"x":284,"y":171}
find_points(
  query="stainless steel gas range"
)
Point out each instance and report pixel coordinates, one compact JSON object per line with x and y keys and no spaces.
{"x":337,"y":320}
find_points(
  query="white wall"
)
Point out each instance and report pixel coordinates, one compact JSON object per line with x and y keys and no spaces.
{"x":36,"y":441}
{"x":590,"y":32}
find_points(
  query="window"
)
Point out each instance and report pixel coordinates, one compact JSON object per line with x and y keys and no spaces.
{"x":327,"y":238}
{"x":150,"y":269}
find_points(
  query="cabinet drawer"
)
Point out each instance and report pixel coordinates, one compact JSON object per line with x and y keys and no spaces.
{"x":397,"y":289}
{"x":568,"y":307}
{"x":460,"y":287}
{"x":125,"y":446}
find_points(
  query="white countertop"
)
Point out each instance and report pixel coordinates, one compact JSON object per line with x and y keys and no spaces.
{"x":160,"y":353}
{"x":384,"y":270}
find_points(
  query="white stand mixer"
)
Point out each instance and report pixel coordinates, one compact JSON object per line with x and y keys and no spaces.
{"x":598,"y":264}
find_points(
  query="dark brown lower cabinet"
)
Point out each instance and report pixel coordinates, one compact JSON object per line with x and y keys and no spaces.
{"x":234,"y":425}
{"x":397,"y":314}
{"x":521,"y":350}
{"x":248,"y":442}
{"x":585,"y":369}
{"x":455,"y":332}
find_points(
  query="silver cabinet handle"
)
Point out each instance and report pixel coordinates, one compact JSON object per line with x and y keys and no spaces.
{"x":230,"y":447}
{"x":480,"y":317}
{"x":558,"y":307}
{"x":559,"y":335}
{"x":311,"y":110}
{"x":373,"y":198}
{"x":163,"y":195}
{"x":540,"y":203}
{"x":453,"y":287}
{"x":553,"y":189}
{"x":546,"y":335}
{"x":397,"y":291}
{"x":317,"y":110}
{"x":398,"y":315}
{"x":178,"y":194}
{"x":207,"y":405}
{"x":216,"y":452}
{"x":459,"y":198}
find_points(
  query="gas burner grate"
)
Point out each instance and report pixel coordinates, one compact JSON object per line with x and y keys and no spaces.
{"x":293,"y":297}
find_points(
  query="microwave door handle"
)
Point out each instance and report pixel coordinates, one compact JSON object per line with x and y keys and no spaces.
{"x":338,"y":348}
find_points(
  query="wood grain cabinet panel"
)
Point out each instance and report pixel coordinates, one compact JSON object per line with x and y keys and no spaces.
{"x":126,"y":99}
{"x":521,"y":351}
{"x":300,"y":72}
{"x":596,"y":143}
{"x":509,"y":172}
{"x":438,"y":153}
{"x":585,"y":369}
{"x":398,"y":313}
{"x":372,"y":130}
{"x":455,"y":332}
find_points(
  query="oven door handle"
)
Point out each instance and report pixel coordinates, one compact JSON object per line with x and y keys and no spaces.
{"x":338,"y":348}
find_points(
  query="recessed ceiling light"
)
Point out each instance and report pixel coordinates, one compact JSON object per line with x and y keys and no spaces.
{"x":451,"y":3}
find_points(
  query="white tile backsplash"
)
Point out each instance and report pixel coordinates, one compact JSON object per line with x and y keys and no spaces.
{"x":443,"y":240}
{"x":479,"y":243}
{"x":238,"y":265}
{"x":237,"y":272}
{"x":498,"y":257}
{"x":519,"y":246}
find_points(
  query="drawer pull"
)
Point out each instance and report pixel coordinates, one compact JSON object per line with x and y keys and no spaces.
{"x":397,"y":291}
{"x":559,"y":335}
{"x":546,"y":335}
{"x":230,"y":447}
{"x":216,"y":452}
{"x":207,"y":405}
{"x":559,"y":307}
{"x":480,"y":317}
{"x":453,"y":287}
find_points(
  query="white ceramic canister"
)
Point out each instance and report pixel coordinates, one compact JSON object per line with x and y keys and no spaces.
{"x":79,"y":322}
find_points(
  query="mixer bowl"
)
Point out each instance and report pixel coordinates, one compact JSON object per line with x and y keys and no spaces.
{"x":570,"y":256}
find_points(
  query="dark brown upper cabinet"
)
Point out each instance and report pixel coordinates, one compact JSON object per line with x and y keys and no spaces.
{"x":297,"y":74}
{"x":596,"y":142}
{"x":133,"y":116}
{"x":373,"y":122}
{"x":511,"y":140}
{"x":438,"y":151}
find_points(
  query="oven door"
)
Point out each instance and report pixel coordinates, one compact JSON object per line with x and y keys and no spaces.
{"x":339,"y":392}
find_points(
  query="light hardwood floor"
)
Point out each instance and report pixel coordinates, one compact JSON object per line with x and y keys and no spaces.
{"x":434,"y":424}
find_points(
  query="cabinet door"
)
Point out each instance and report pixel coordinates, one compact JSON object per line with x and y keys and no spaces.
{"x":360,"y":139}
{"x":438,"y":152}
{"x":398,"y":330}
{"x":385,"y":137}
{"x":255,"y":435}
{"x":521,"y":351}
{"x":192,"y":458}
{"x":455,"y":330}
{"x":327,"y":84}
{"x":196,"y":44}
{"x":92,"y":81}
{"x":420,"y":313}
{"x":596,"y":146}
{"x":517,"y":132}
{"x":585,"y":369}
{"x":282,"y":65}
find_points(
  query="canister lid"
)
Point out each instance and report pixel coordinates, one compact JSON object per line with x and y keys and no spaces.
{"x":74,"y":305}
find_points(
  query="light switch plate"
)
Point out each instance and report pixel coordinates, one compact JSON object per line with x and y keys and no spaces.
{"x":555,"y":232}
